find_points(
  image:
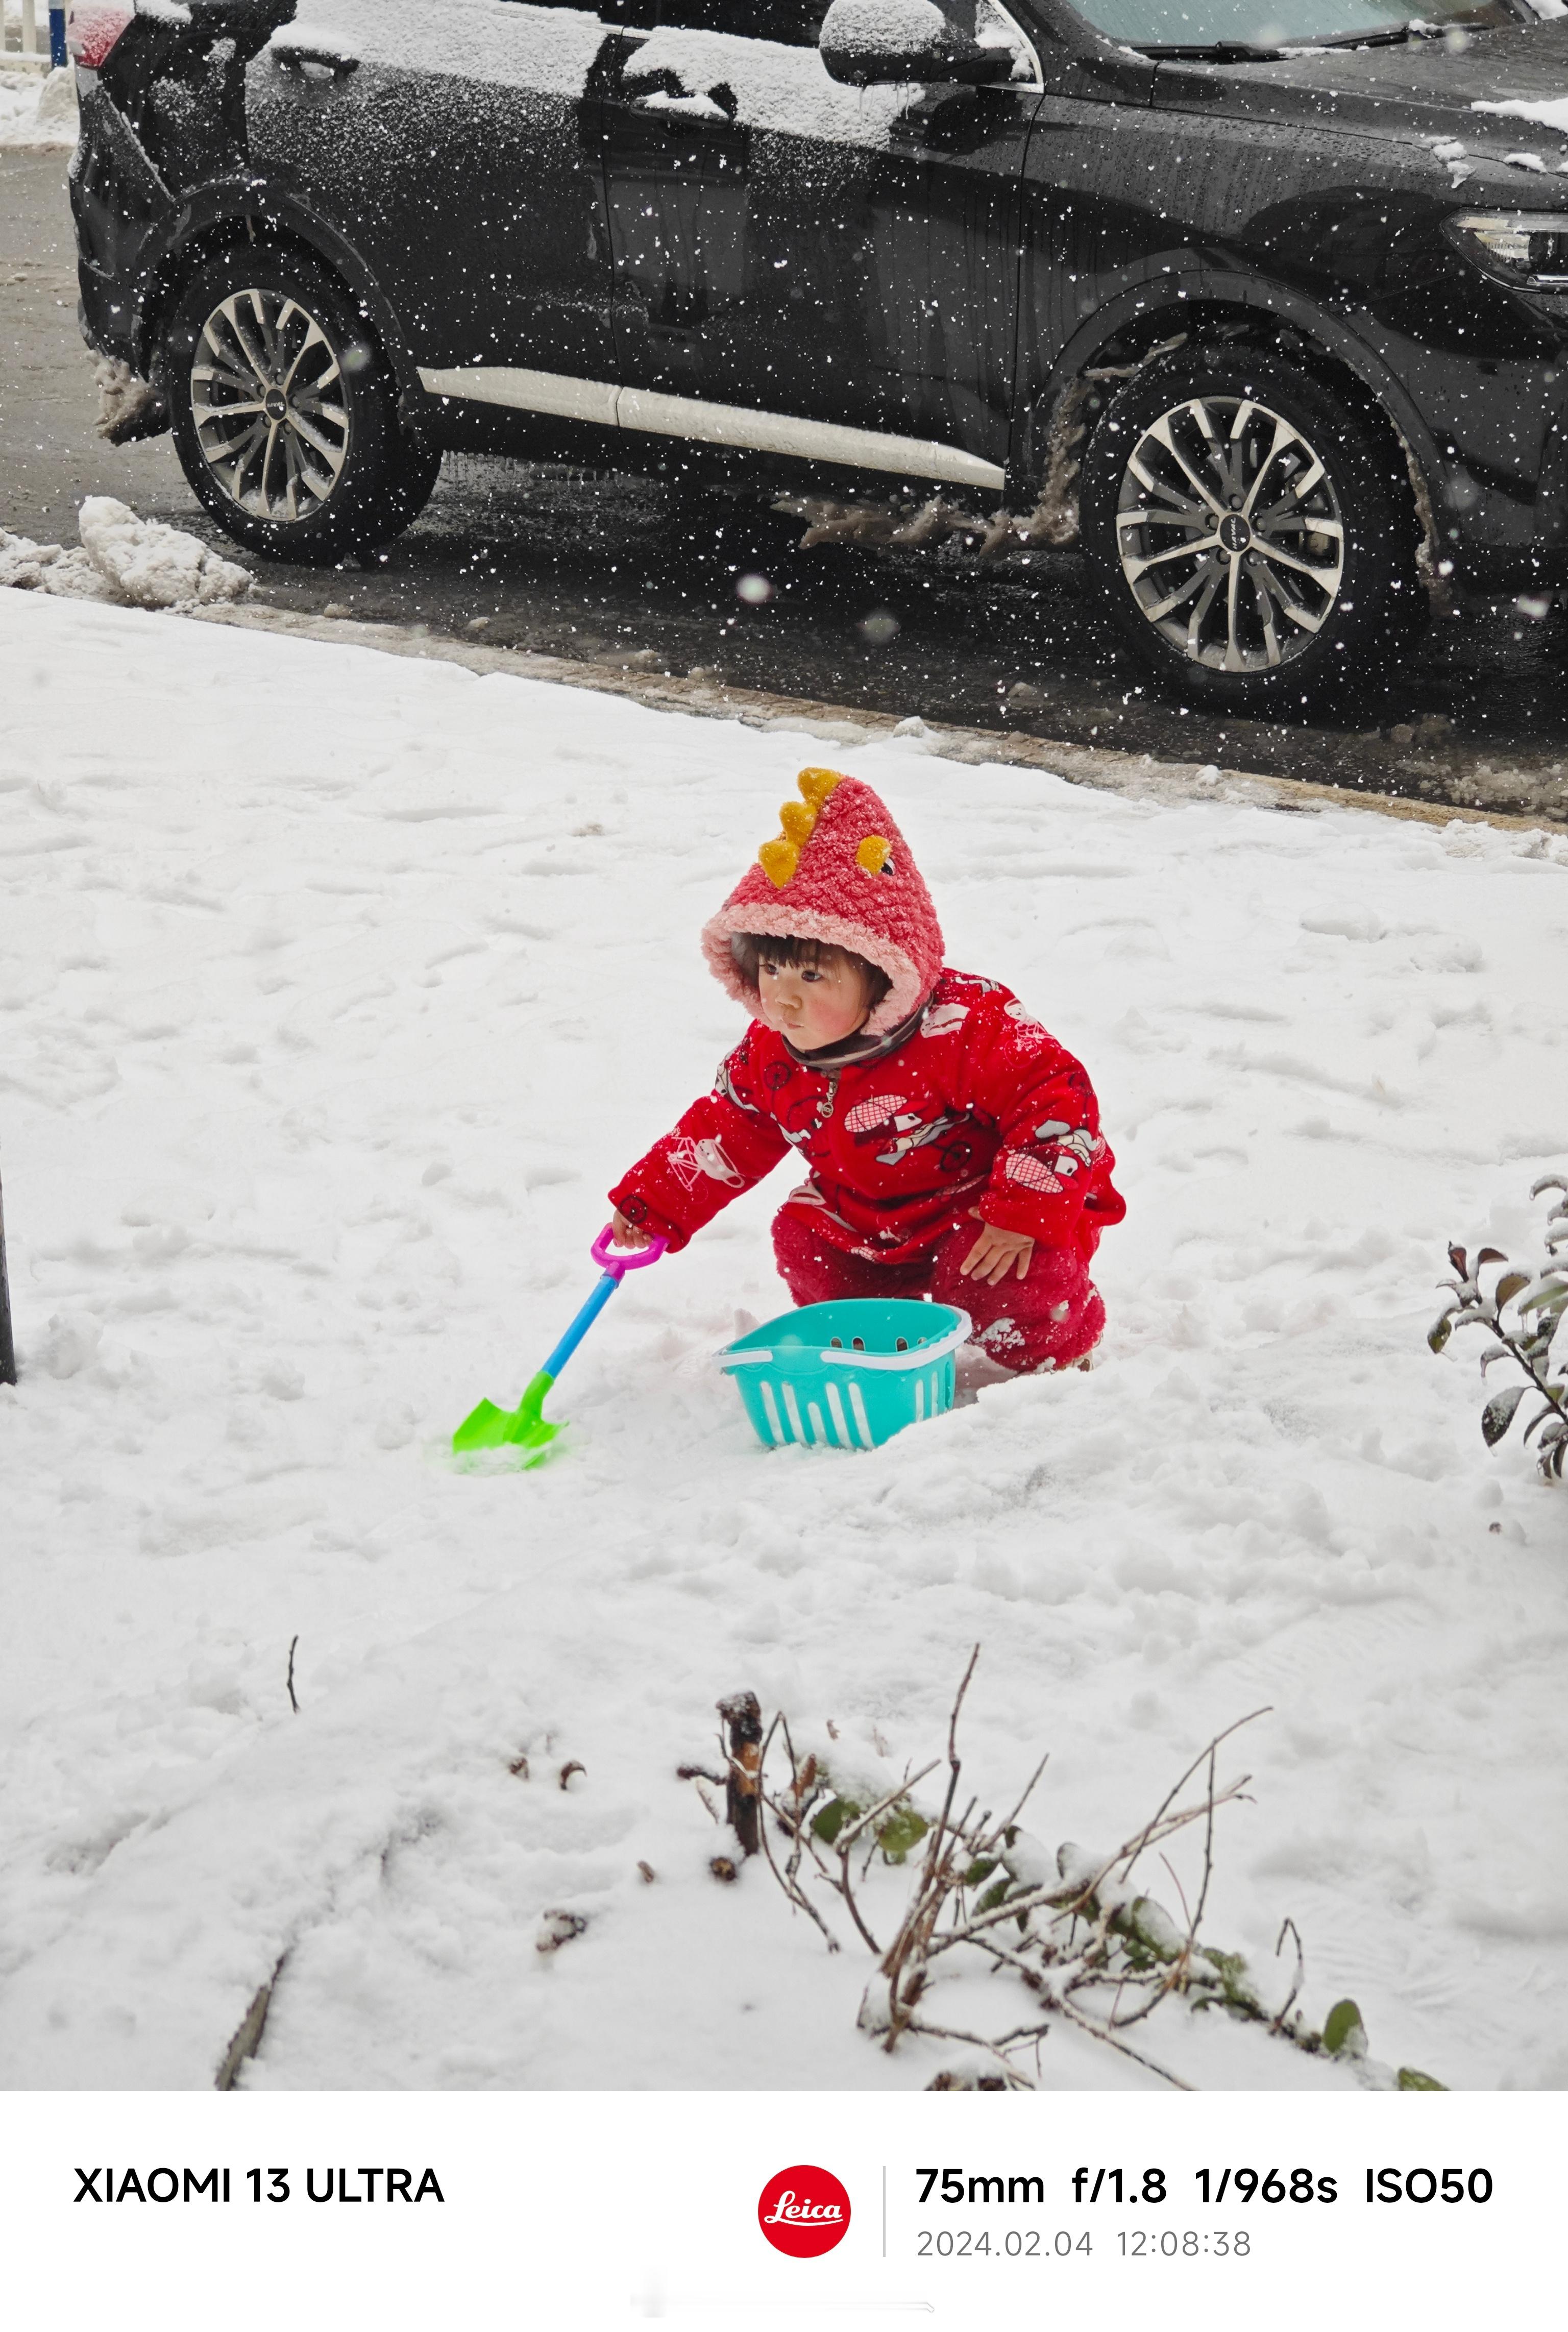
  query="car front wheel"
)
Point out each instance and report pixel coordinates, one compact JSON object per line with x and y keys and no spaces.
{"x":1252,"y":536}
{"x":286,"y":414}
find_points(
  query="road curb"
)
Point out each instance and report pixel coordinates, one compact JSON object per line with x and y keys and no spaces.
{"x":1135,"y":775}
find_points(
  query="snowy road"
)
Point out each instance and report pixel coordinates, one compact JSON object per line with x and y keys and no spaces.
{"x":605,"y":568}
{"x":336,"y":989}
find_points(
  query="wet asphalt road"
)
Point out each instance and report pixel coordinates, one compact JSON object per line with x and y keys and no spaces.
{"x":606,"y":568}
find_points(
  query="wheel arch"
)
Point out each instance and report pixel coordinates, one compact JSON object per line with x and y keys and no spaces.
{"x":227,"y":220}
{"x":1173,"y":303}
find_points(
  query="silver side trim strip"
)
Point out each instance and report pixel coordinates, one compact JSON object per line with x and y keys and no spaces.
{"x":612,"y":407}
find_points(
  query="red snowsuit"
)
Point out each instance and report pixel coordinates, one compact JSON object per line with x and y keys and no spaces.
{"x":977,"y":1107}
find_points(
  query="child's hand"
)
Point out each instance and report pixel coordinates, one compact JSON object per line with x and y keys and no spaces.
{"x":996,"y":1252}
{"x":627,"y":1234}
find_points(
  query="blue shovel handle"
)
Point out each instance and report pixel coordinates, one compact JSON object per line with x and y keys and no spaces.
{"x":526,"y":1427}
{"x":616,"y":1268}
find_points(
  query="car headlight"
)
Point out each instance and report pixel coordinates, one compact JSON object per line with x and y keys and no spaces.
{"x":1527,"y":248}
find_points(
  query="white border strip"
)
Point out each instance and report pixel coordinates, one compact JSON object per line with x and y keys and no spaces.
{"x":610,"y":406}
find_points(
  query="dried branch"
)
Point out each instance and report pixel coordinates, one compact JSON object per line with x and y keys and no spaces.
{"x":247,"y":2037}
{"x":788,"y":1877}
{"x":1298,"y":1980}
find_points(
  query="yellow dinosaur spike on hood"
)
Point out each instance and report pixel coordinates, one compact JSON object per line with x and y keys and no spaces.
{"x":816,"y":785}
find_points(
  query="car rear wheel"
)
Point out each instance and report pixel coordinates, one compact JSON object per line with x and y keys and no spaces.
{"x":286,"y":414}
{"x":1252,"y":536}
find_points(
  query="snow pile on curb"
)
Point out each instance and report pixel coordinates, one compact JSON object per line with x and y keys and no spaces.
{"x":336,"y":989}
{"x":124,"y":560}
{"x":38,"y":110}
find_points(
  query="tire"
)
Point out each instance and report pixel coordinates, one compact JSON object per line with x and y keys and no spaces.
{"x":329,"y":471}
{"x":1267,"y":616}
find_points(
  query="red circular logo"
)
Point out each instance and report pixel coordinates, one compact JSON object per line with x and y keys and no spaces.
{"x":804,"y":2210}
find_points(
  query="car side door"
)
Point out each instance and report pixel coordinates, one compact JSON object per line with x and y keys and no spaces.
{"x":836,"y":255}
{"x":940,"y":302}
{"x":457,"y":148}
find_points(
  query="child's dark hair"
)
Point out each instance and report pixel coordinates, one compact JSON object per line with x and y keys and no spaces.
{"x":752,"y":949}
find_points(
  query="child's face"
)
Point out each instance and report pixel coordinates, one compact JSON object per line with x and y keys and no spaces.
{"x":813,"y":1004}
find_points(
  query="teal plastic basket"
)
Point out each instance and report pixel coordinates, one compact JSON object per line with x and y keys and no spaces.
{"x":846,"y":1376}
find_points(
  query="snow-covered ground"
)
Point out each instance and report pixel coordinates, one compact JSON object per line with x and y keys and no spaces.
{"x":337,"y":988}
{"x":38,"y":109}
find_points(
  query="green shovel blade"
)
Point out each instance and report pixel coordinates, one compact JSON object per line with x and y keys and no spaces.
{"x":522,"y":1429}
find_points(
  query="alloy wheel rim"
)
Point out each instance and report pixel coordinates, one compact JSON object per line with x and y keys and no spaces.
{"x":270,"y":406}
{"x":1231,"y":534}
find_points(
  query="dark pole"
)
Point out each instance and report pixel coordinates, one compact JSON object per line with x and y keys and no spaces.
{"x":7,"y":1349}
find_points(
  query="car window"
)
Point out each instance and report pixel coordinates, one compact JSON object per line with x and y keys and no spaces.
{"x":1271,"y":24}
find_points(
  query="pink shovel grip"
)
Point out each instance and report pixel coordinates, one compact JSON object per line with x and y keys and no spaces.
{"x":608,"y":1258}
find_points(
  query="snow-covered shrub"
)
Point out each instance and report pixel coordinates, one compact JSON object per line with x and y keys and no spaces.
{"x":1524,"y":1314}
{"x":1083,"y":1943}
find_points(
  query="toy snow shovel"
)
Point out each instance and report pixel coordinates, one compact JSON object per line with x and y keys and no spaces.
{"x":525,"y":1429}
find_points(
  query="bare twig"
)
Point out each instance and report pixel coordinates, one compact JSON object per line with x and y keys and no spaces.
{"x":1298,"y":1980}
{"x":1101,"y":2033}
{"x":788,"y":1878}
{"x":253,"y":2024}
{"x":7,"y":1346}
{"x":293,"y":1704}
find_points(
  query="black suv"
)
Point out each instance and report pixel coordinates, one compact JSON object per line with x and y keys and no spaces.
{"x":1263,"y":303}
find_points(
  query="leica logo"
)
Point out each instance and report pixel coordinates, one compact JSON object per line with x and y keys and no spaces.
{"x":787,"y":2207}
{"x":803,"y":2211}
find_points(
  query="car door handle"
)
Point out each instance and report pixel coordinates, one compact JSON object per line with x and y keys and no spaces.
{"x":715,"y":104}
{"x":315,"y":64}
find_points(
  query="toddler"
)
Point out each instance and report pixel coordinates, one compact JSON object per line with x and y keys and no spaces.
{"x":921,"y":1100}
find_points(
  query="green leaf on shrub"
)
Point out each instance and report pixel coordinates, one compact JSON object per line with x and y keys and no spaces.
{"x":995,"y":1895}
{"x":978,"y":1872}
{"x":1508,"y":1286}
{"x":1498,"y":1414}
{"x":902,"y":1829}
{"x":1345,"y":2034}
{"x":833,"y":1818}
{"x":1439,"y":1331}
{"x":1236,"y":1985}
{"x":1410,"y":2079}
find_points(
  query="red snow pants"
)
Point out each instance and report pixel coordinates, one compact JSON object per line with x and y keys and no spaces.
{"x":1047,"y":1320}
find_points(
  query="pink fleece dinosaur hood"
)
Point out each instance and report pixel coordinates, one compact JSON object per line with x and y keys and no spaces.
{"x":839,"y":872}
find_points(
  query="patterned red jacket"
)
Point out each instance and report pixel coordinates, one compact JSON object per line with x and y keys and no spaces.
{"x":978,"y":1107}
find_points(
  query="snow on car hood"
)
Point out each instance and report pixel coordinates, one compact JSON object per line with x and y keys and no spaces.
{"x":1422,"y":90}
